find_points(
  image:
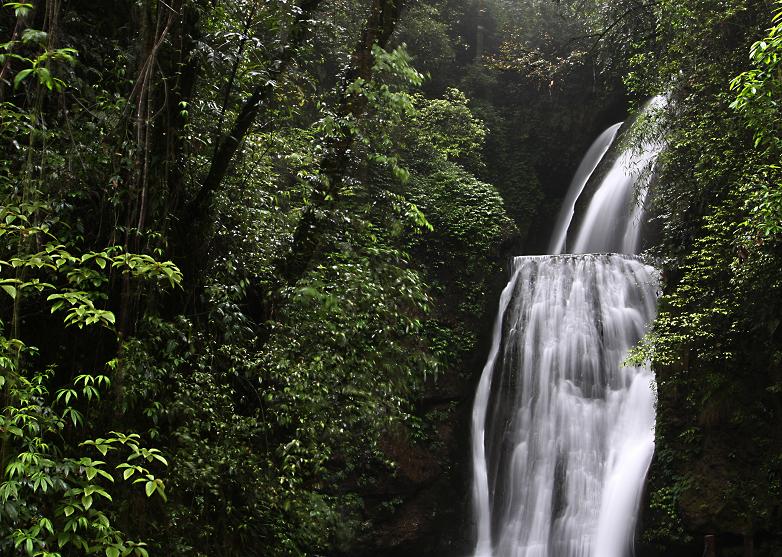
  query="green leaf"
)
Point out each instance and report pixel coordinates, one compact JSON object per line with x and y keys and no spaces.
{"x":21,"y":76}
{"x":112,"y":552}
{"x":45,"y":78}
{"x":103,"y":493}
{"x":149,"y":488}
{"x":10,"y":290}
{"x":22,"y":10}
{"x":32,"y":36}
{"x":63,"y":537}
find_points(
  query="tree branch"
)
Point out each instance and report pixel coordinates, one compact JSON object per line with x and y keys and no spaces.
{"x":229,"y":144}
{"x":380,"y":24}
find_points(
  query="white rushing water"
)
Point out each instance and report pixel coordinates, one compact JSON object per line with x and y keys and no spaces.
{"x":613,"y":219}
{"x":585,"y":170}
{"x":562,"y":431}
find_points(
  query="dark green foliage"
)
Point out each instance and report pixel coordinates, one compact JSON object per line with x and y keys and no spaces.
{"x":255,"y":235}
{"x":284,"y":160}
{"x":715,"y":344}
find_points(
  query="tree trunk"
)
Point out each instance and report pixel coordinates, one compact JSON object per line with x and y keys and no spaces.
{"x":251,"y":108}
{"x":710,"y":546}
{"x":379,"y":26}
{"x":749,"y":545}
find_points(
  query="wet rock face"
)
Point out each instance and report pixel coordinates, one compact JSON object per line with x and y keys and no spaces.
{"x":429,"y":501}
{"x":713,"y":474}
{"x":421,"y":509}
{"x":424,"y":508}
{"x":559,"y":145}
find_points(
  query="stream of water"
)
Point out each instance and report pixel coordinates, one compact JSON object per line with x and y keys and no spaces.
{"x":562,"y":430}
{"x":585,"y":170}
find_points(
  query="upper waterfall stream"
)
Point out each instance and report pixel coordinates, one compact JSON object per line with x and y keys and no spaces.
{"x":585,"y":170}
{"x":562,"y":430}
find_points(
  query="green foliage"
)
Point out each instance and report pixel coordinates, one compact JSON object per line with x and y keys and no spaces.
{"x":261,"y":434}
{"x":468,"y":218}
{"x":54,"y":497}
{"x":758,"y":92}
{"x":470,"y":225}
{"x":426,"y":30}
{"x":448,"y":129}
{"x":52,"y":502}
{"x":271,"y":398}
{"x":40,"y":66}
{"x":715,"y":341}
{"x":56,"y":264}
{"x":388,"y":102}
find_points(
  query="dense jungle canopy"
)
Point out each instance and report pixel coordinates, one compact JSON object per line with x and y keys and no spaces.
{"x":250,"y":250}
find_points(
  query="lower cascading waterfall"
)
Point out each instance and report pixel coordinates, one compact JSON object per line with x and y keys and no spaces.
{"x":563,"y":432}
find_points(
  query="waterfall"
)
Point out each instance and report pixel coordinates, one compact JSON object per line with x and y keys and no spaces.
{"x":562,"y":431}
{"x":585,"y":170}
{"x":606,"y":226}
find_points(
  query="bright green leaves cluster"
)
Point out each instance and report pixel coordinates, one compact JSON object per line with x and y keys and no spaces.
{"x":389,"y":103}
{"x":470,"y":226}
{"x":54,"y":498}
{"x":83,"y":277}
{"x":448,"y":129}
{"x":758,"y":100}
{"x":50,"y":503}
{"x":21,"y":9}
{"x":442,"y":144}
{"x":759,"y":90}
{"x":40,"y":66}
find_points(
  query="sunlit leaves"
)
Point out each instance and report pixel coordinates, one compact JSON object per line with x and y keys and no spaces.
{"x":75,"y":487}
{"x":21,"y":9}
{"x":759,"y":90}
